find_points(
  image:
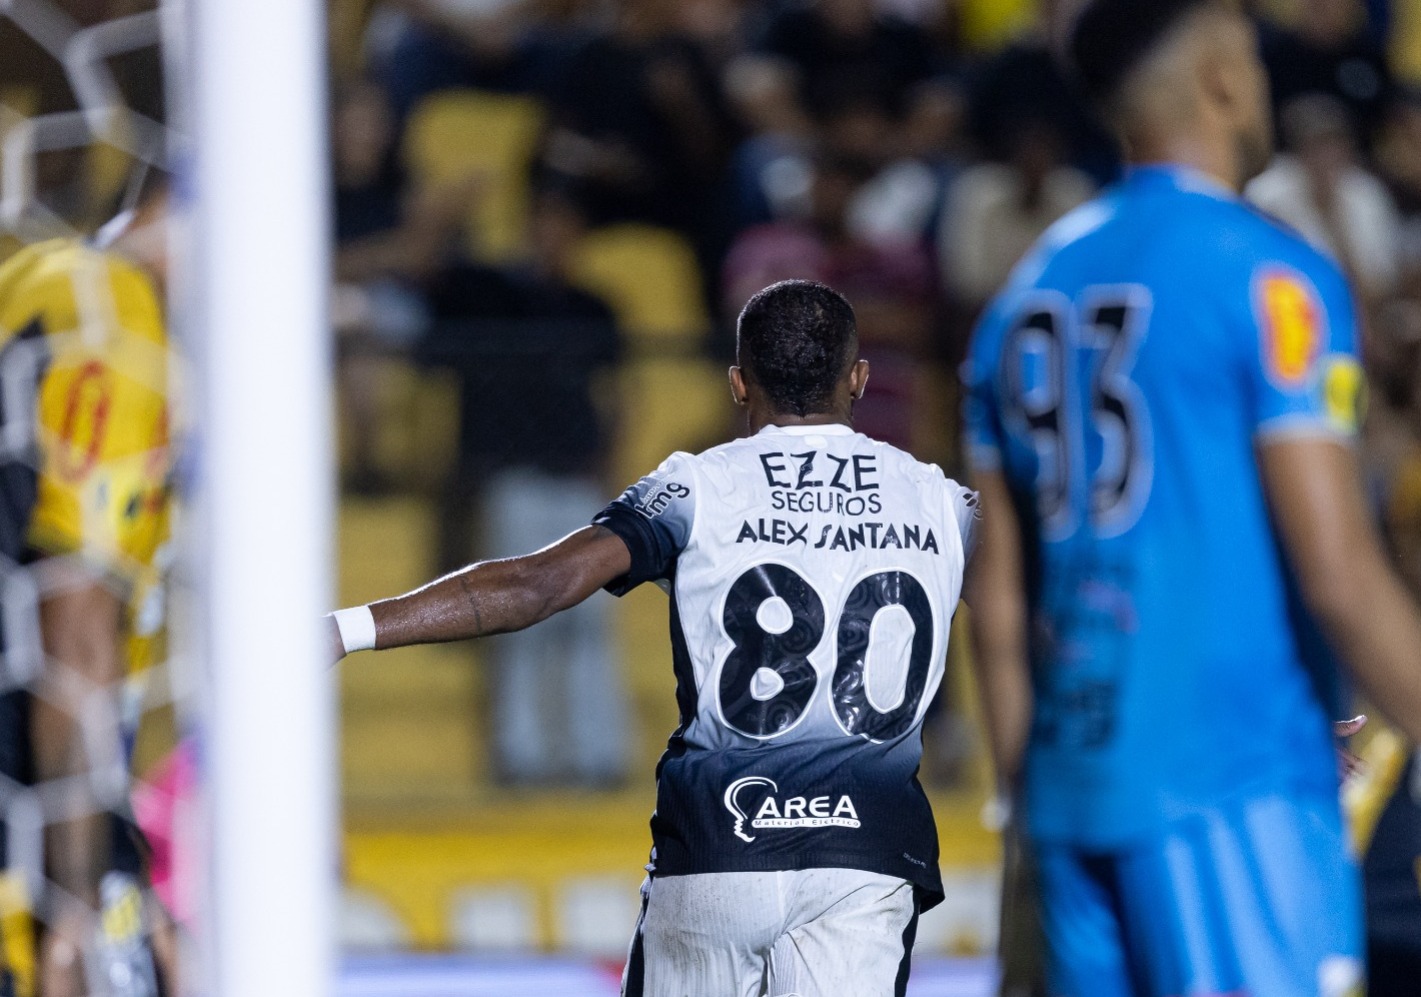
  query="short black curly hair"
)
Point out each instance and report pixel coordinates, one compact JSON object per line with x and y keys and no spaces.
{"x":1113,"y":37}
{"x":795,"y":340}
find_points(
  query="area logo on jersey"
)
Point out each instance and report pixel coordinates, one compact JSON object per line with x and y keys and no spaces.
{"x":773,"y":813}
{"x":1291,"y":322}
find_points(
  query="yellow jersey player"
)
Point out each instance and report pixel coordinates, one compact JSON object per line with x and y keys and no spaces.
{"x":84,"y":518}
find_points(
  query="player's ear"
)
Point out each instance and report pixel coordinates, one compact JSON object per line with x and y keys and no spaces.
{"x":738,"y":391}
{"x":858,"y":379}
{"x":1221,"y":68}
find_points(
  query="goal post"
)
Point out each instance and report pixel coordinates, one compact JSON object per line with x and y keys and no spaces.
{"x":252,"y":98}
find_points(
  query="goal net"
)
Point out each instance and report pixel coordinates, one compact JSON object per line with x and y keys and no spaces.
{"x":165,"y":779}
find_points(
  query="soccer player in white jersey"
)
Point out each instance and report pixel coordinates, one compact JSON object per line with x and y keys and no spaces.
{"x":813,"y":576}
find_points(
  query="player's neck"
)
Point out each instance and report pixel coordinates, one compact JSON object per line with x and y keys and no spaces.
{"x":144,"y":240}
{"x":759,"y":420}
{"x":1214,"y":161}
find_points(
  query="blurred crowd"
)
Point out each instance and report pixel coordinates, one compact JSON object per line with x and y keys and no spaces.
{"x":898,"y":149}
{"x":532,"y":198}
{"x":496,"y":162}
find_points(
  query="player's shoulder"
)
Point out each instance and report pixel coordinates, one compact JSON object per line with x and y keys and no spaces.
{"x":1233,"y":233}
{"x":904,"y":462}
{"x":55,"y":259}
{"x":921,"y":475}
{"x":1218,"y":240}
{"x":34,"y":266}
{"x":721,"y":453}
{"x":1072,"y":233}
{"x":43,"y":281}
{"x":1068,"y":240}
{"x":37,"y":289}
{"x":678,"y":461}
{"x":961,"y":503}
{"x":934,"y":477}
{"x":1267,"y":231}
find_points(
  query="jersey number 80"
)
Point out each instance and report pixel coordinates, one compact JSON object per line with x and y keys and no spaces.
{"x":767,"y":681}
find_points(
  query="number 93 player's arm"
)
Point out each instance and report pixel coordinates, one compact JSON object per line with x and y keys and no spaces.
{"x":996,"y":594}
{"x":1315,"y":493}
{"x":490,"y":597}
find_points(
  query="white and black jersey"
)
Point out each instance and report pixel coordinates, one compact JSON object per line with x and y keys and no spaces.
{"x":813,"y":575}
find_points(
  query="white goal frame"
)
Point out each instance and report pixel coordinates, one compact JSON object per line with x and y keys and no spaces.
{"x":252,"y":99}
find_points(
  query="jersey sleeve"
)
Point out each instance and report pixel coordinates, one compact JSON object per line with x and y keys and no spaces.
{"x":654,"y":518}
{"x":1304,"y":373}
{"x":982,"y":419}
{"x":967,"y":510}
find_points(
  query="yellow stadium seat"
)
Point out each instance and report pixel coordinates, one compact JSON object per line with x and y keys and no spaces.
{"x":346,"y":24}
{"x":1406,"y":43}
{"x":650,"y":278}
{"x":990,"y":25}
{"x":455,"y":135}
{"x":668,"y":404}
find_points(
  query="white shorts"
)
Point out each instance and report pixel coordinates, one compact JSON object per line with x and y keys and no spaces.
{"x":812,"y":933}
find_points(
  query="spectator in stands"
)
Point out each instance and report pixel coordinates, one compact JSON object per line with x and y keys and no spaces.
{"x":1024,"y":82}
{"x":390,"y":239}
{"x":640,"y":126}
{"x":771,"y":170}
{"x":533,"y":354}
{"x":997,"y":210}
{"x":1331,"y":51}
{"x":910,"y":159}
{"x":843,"y":48}
{"x":719,"y":28}
{"x":861,"y":76}
{"x":1398,"y":158}
{"x":1321,"y":189}
{"x":418,"y":47}
{"x":384,"y":227}
{"x":890,"y":285}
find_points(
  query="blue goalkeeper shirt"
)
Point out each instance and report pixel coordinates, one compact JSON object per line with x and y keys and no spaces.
{"x":1121,"y":383}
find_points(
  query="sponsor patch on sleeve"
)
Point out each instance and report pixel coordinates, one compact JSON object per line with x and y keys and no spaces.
{"x":1343,"y":392}
{"x":1291,"y":321}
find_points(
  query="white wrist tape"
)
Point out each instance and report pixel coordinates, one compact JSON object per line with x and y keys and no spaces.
{"x":357,"y":628}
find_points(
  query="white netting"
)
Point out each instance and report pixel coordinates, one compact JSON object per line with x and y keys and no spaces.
{"x":86,"y":502}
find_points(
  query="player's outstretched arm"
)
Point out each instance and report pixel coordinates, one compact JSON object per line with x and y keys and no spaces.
{"x":996,"y":596}
{"x":494,"y":597}
{"x":1315,"y":493}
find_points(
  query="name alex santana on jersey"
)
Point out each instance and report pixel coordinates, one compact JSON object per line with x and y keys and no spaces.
{"x":813,"y":481}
